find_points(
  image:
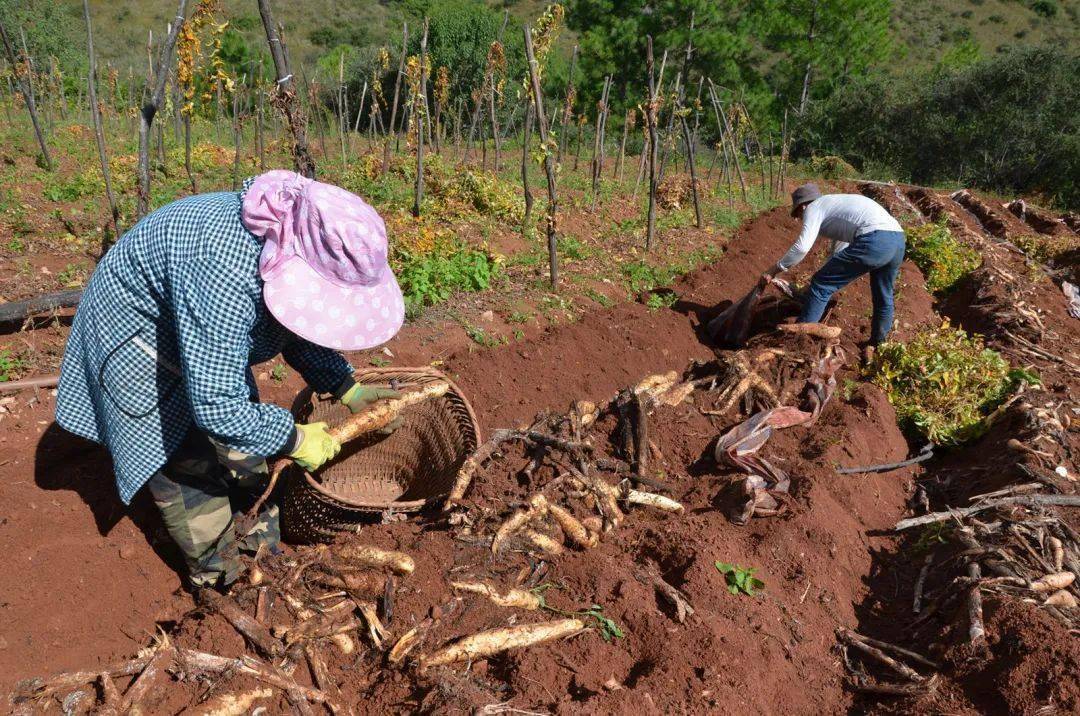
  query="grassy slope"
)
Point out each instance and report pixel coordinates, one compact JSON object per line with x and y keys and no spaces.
{"x":925,"y":29}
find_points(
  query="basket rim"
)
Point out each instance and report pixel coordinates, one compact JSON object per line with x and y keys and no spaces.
{"x":423,"y":372}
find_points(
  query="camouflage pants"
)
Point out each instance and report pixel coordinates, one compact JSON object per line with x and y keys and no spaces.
{"x":199,"y":492}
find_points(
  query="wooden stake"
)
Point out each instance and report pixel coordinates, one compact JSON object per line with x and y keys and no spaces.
{"x":285,"y":94}
{"x":99,"y":132}
{"x":549,"y":163}
{"x":421,"y":117}
{"x":650,"y":119}
{"x":153,"y":103}
{"x":26,"y":87}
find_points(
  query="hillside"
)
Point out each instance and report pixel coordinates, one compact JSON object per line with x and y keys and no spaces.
{"x":924,"y":30}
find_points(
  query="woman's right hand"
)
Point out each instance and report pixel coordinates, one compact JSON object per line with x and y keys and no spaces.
{"x":315,"y":446}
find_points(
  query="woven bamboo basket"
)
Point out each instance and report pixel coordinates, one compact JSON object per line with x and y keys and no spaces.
{"x":404,"y":472}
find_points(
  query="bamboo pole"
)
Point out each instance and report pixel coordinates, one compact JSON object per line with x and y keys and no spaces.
{"x":525,"y":142}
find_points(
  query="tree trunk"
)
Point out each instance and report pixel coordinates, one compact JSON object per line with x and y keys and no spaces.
{"x":805,"y":96}
{"x":285,"y":94}
{"x":341,"y":109}
{"x":495,"y":139}
{"x":549,"y":161}
{"x":28,"y":96}
{"x":598,"y":141}
{"x":99,"y":132}
{"x":260,"y":145}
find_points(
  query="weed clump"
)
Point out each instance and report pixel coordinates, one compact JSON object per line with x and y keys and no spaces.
{"x":1049,"y":249}
{"x":943,"y":382}
{"x":940,"y":256}
{"x":430,"y":277}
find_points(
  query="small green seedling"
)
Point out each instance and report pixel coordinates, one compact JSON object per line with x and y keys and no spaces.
{"x":378,"y":361}
{"x":609,"y":629}
{"x":740,"y":579}
{"x":278,"y":373}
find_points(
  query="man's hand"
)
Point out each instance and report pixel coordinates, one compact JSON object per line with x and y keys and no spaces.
{"x":315,"y":446}
{"x":359,"y":397}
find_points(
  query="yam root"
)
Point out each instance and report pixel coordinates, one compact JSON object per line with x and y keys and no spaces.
{"x":234,"y":703}
{"x":654,"y":385}
{"x":817,"y":330}
{"x":537,"y":507}
{"x":473,"y":463}
{"x":376,"y":630}
{"x":543,"y":542}
{"x":408,"y":641}
{"x":1052,"y":582}
{"x":519,"y":598}
{"x":1061,"y":598}
{"x":369,"y":556}
{"x":383,"y":412}
{"x":573,"y":529}
{"x":649,"y":499}
{"x":495,"y":641}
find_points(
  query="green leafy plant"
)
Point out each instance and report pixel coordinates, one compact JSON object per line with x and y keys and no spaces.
{"x":16,"y":246}
{"x":72,"y":276}
{"x":378,"y":361}
{"x":573,"y":249}
{"x":11,"y":366}
{"x":607,"y":626}
{"x":940,"y":256}
{"x":640,"y":276}
{"x":599,"y":297}
{"x":660,"y":300}
{"x":279,"y":373}
{"x":740,"y":580}
{"x":943,"y":382}
{"x":430,"y":278}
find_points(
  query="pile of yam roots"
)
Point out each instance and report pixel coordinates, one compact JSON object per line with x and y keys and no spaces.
{"x":292,"y":608}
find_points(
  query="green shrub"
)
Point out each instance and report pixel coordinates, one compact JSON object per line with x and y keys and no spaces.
{"x":431,"y":278}
{"x":642,"y":277}
{"x":831,"y":167}
{"x":943,"y":382}
{"x":940,"y":256}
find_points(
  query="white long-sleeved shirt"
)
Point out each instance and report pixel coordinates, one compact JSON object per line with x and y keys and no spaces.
{"x":840,"y":217}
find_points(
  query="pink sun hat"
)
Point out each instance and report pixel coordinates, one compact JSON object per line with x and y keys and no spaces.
{"x":324,"y":261}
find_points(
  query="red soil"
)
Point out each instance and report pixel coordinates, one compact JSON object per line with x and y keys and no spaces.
{"x":95,"y":592}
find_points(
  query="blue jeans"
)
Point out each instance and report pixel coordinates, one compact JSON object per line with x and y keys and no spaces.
{"x":878,"y":253}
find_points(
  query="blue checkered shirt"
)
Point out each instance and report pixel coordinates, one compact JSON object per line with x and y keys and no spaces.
{"x":164,"y":338}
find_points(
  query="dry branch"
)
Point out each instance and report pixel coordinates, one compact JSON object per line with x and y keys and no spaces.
{"x":1025,"y":500}
{"x":259,"y":636}
{"x":858,"y":642}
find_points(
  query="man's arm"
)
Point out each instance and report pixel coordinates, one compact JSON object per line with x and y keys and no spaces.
{"x":811,"y":226}
{"x":215,"y":312}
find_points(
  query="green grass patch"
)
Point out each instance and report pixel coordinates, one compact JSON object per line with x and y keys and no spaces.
{"x":944,"y":382}
{"x":660,"y":300}
{"x":740,"y":580}
{"x":942,"y":258}
{"x":432,"y":277}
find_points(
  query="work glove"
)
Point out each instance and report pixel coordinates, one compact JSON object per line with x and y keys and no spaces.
{"x":360,"y":396}
{"x":314,"y":446}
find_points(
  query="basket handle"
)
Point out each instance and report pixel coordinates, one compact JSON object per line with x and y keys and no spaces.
{"x":374,"y":417}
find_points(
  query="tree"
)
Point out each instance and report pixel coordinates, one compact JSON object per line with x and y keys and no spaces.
{"x":613,"y":38}
{"x":820,"y":42}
